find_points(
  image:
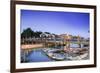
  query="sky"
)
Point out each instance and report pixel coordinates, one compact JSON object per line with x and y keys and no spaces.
{"x":73,"y":23}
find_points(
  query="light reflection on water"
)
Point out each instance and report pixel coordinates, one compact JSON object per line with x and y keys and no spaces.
{"x":37,"y":55}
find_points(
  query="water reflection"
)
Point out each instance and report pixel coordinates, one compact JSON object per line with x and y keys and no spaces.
{"x":38,"y":54}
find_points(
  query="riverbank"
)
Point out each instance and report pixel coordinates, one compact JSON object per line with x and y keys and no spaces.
{"x":29,"y":46}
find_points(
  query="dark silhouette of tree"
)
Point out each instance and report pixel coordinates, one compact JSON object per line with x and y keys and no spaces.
{"x":37,"y":34}
{"x":27,"y":33}
{"x":47,"y":32}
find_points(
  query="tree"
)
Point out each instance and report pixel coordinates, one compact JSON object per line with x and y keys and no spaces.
{"x":47,"y":32}
{"x":27,"y":33}
{"x":37,"y":34}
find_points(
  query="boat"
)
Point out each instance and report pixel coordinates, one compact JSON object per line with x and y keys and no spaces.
{"x":80,"y":57}
{"x":55,"y":56}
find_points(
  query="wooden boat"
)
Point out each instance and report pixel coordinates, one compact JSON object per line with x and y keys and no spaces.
{"x":55,"y":56}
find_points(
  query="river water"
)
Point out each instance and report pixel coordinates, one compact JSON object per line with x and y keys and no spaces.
{"x":37,"y":55}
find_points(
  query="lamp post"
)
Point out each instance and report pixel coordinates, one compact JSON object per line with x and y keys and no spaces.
{"x":42,"y":35}
{"x":54,"y":39}
{"x":79,"y":41}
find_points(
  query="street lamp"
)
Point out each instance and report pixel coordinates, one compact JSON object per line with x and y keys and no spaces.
{"x":54,"y":39}
{"x":79,"y":41}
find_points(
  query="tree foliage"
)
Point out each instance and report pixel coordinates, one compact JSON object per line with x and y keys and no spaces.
{"x":27,"y":33}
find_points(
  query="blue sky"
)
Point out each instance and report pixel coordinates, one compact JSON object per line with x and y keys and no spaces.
{"x":73,"y":23}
